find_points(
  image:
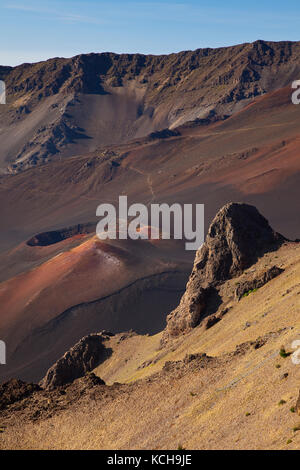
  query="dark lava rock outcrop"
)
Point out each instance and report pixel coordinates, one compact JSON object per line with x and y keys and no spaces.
{"x":257,"y":281}
{"x":15,"y":390}
{"x":163,"y":134}
{"x":56,"y":236}
{"x":159,"y":91}
{"x":29,"y":402}
{"x":87,"y":354}
{"x":237,"y":237}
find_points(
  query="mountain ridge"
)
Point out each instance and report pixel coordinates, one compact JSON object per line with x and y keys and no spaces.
{"x":131,"y":95}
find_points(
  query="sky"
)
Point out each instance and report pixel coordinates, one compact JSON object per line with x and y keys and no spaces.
{"x":33,"y":30}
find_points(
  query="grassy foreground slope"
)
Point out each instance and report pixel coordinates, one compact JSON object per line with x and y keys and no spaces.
{"x":240,"y":396}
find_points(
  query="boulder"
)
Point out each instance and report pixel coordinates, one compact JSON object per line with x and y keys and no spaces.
{"x":87,"y":354}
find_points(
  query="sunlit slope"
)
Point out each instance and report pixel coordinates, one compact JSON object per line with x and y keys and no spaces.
{"x":89,"y":287}
{"x":239,"y":397}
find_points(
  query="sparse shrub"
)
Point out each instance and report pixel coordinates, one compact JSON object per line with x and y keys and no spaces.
{"x":251,"y":291}
{"x":192,"y":394}
{"x":278,"y":366}
{"x":292,"y":410}
{"x":248,"y":414}
{"x":180,"y":447}
{"x":282,"y":402}
{"x":283,"y":353}
{"x":289,"y":441}
{"x":296,"y":428}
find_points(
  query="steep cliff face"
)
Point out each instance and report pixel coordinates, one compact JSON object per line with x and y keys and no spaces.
{"x":237,"y":237}
{"x":66,"y":106}
{"x":237,"y":66}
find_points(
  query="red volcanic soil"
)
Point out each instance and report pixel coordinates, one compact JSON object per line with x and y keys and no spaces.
{"x":250,"y":157}
{"x":80,"y":275}
{"x":92,"y":270}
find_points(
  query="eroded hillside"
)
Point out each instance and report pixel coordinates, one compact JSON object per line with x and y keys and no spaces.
{"x":62,"y":107}
{"x":225,"y":384}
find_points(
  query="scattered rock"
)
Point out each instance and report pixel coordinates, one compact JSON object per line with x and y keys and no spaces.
{"x":144,"y":365}
{"x":259,"y":343}
{"x":284,"y":376}
{"x":163,"y":134}
{"x":15,"y":390}
{"x":89,"y":380}
{"x":210,"y":321}
{"x":257,"y":282}
{"x":127,"y":334}
{"x":195,"y":361}
{"x":192,"y":357}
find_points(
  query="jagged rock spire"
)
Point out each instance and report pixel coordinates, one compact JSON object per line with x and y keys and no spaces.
{"x":237,"y":237}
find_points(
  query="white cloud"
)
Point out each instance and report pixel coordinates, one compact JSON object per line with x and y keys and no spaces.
{"x":55,"y":14}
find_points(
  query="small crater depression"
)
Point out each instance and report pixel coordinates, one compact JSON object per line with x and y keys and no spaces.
{"x":56,"y":236}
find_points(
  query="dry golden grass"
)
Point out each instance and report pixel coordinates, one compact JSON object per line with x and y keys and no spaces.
{"x":233,"y":404}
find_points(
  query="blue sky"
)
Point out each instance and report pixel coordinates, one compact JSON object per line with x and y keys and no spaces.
{"x":36,"y":30}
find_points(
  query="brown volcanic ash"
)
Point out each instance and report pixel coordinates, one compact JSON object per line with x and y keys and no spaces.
{"x":65,"y":106}
{"x":251,"y":157}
